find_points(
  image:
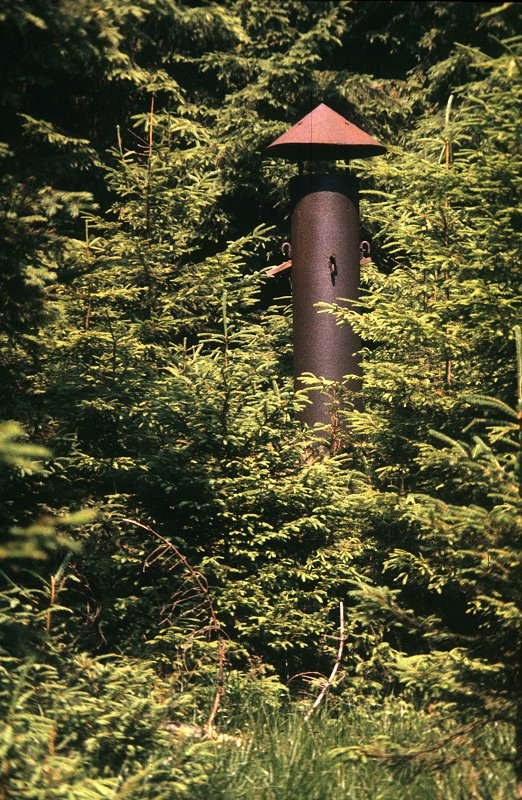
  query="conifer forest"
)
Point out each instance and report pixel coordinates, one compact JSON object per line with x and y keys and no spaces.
{"x":202,"y":597}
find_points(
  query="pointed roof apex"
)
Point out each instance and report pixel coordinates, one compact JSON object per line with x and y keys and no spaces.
{"x":325,"y":135}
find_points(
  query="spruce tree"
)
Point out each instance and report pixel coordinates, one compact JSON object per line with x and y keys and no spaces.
{"x":137,"y":349}
{"x":438,"y":321}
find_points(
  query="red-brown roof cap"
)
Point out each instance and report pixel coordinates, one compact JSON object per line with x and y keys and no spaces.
{"x":325,"y":135}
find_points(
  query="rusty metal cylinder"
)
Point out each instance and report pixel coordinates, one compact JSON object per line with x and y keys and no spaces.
{"x":325,"y":269}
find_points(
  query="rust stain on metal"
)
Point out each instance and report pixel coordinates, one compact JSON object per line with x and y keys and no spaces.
{"x":324,"y":135}
{"x":280,"y":267}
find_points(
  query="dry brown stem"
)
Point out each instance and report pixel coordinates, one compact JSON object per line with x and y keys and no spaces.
{"x":333,"y":673}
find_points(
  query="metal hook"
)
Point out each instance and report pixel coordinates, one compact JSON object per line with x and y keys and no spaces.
{"x":286,"y":249}
{"x":365,"y":251}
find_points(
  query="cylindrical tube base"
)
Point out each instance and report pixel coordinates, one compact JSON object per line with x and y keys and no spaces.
{"x":325,"y":269}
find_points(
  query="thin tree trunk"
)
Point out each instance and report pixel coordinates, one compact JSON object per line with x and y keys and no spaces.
{"x":518,"y":674}
{"x":518,"y":727}
{"x":449,"y":158}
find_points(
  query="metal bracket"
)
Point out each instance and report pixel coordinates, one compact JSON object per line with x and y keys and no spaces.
{"x":286,"y":249}
{"x":365,"y":250}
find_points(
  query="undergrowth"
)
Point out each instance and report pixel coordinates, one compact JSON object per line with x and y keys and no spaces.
{"x":111,"y":730}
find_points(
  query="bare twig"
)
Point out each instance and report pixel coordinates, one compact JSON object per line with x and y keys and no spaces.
{"x":449,"y":158}
{"x":333,"y":673}
{"x":88,"y":260}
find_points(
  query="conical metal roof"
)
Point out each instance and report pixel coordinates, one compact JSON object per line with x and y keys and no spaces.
{"x":325,"y":135}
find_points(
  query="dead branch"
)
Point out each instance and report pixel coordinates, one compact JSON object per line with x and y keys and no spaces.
{"x":333,"y":673}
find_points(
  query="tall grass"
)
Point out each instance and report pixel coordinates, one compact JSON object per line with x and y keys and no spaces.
{"x":395,"y":753}
{"x":103,"y":735}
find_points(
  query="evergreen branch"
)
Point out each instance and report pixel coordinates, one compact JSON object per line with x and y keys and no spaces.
{"x":490,"y":402}
{"x":405,"y":755}
{"x":449,"y":441}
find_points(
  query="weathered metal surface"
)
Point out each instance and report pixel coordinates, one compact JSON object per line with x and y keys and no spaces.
{"x":324,"y":135}
{"x":325,"y":268}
